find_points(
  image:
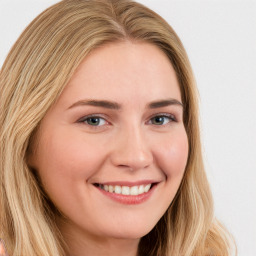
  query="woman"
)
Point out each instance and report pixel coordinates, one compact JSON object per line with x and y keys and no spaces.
{"x":100,"y":147}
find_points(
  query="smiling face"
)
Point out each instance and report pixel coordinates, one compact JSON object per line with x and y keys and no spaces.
{"x":112,"y":151}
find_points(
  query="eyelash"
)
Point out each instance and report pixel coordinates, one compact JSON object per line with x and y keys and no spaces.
{"x":164,"y":115}
{"x":85,"y":119}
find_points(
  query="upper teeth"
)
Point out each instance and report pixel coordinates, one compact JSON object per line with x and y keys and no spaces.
{"x":125,"y":190}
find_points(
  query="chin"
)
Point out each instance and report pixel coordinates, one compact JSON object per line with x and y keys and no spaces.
{"x":133,"y":231}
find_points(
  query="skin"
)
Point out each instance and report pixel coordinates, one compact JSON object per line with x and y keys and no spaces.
{"x":132,"y":143}
{"x":2,"y":249}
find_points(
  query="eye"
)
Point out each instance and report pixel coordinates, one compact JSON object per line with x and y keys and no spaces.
{"x":93,"y":121}
{"x":162,"y":119}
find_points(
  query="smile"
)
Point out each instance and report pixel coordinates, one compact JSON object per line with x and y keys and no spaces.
{"x":125,"y":190}
{"x":127,"y":193}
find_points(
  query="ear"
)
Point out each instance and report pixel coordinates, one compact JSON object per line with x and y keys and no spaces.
{"x":31,"y":151}
{"x":3,"y":251}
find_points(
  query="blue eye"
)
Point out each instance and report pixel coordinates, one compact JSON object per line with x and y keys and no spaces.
{"x":93,"y":121}
{"x":162,"y":119}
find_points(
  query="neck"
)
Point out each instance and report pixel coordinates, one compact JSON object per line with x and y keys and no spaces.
{"x":80,"y":243}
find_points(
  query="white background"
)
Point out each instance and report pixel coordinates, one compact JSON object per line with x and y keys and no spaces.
{"x":220,"y":38}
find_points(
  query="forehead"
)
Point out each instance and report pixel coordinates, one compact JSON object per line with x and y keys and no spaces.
{"x":124,"y":69}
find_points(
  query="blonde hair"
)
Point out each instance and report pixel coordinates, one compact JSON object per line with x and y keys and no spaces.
{"x":38,"y":67}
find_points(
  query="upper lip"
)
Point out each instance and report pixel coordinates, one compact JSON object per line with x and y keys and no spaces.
{"x":128,"y":183}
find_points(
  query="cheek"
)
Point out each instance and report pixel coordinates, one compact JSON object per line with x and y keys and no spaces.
{"x":171,"y":158}
{"x":173,"y":154}
{"x":66,"y":163}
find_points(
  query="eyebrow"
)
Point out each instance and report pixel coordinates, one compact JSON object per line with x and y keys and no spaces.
{"x":164,"y":103}
{"x":97,"y":103}
{"x":116,"y":106}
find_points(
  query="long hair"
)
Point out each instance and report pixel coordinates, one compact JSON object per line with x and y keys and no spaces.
{"x":36,"y":71}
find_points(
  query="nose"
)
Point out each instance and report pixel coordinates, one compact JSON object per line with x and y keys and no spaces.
{"x":131,"y":150}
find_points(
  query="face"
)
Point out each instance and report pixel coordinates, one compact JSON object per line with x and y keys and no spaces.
{"x":111,"y":152}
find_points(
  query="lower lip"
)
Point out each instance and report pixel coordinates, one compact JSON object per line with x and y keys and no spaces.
{"x":125,"y":199}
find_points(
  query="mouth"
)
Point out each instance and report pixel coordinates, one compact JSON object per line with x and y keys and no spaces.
{"x":126,"y":190}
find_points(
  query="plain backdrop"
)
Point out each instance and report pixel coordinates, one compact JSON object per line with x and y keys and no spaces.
{"x":220,"y":38}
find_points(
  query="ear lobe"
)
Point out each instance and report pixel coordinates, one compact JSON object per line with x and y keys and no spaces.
{"x":31,"y":157}
{"x":30,"y":160}
{"x":3,"y":251}
{"x":31,"y":150}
